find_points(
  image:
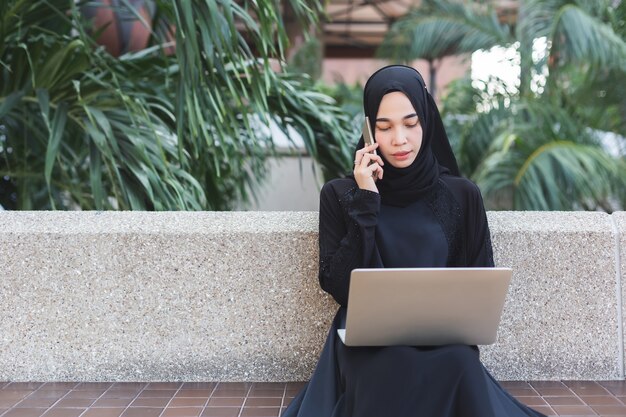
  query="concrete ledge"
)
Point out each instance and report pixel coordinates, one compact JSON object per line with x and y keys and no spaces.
{"x":560,"y":319}
{"x":619,"y":230}
{"x":135,"y":296}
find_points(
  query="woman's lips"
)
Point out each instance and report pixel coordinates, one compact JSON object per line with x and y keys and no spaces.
{"x":401,"y":155}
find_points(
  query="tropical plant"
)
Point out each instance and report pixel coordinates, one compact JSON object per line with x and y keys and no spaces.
{"x":541,"y":146}
{"x":348,"y":97}
{"x":81,"y":129}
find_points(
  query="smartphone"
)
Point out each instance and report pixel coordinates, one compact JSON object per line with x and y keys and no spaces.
{"x":367,"y":134}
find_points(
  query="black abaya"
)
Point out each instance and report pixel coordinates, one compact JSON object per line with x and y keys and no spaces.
{"x":445,"y":227}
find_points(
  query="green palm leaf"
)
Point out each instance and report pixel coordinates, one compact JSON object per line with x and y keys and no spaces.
{"x":440,"y":28}
{"x":548,"y":163}
{"x":148,"y":130}
{"x":579,"y":37}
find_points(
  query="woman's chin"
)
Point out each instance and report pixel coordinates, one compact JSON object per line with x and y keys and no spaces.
{"x":401,"y":164}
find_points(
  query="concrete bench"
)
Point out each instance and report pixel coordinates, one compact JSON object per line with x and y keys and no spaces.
{"x":233,"y":296}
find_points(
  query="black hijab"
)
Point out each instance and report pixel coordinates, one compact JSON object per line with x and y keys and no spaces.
{"x":402,"y":186}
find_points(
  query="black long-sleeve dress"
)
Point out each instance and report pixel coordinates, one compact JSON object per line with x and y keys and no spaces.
{"x":445,"y":227}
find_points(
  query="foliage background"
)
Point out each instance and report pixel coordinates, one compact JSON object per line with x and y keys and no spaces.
{"x":81,"y":129}
{"x":541,"y":145}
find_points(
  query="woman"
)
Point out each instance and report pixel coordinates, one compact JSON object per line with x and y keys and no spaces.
{"x":405,"y":206}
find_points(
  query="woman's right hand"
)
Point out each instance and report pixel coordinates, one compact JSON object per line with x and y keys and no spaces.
{"x":368,"y":167}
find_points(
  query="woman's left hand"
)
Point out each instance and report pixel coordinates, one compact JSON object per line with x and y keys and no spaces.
{"x":368,"y":168}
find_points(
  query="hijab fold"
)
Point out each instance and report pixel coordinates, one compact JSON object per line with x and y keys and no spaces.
{"x":402,"y":186}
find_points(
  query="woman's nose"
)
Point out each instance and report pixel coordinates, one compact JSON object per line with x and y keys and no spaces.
{"x":399,"y":136}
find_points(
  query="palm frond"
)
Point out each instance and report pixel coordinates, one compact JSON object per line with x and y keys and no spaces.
{"x":579,"y":37}
{"x":549,"y":161}
{"x":148,"y":130}
{"x":440,"y":28}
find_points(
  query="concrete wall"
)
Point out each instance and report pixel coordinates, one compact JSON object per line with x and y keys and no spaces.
{"x":293,"y":184}
{"x":234,"y":296}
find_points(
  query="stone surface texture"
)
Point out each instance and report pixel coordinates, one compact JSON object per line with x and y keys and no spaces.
{"x":619,"y":224}
{"x":137,"y":296}
{"x":560,"y":318}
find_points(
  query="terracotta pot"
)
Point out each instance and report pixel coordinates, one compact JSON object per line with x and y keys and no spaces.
{"x":120,"y":31}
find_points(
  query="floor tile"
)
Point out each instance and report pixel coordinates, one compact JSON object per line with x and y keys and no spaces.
{"x":142,"y":412}
{"x":614,"y":387}
{"x":182,"y":412}
{"x":199,"y":385}
{"x":14,"y":394}
{"x":298,"y":385}
{"x":555,"y":392}
{"x":36,"y":402}
{"x":260,"y":412}
{"x":150,"y":402}
{"x":522,"y":392}
{"x":545,"y":410}
{"x":93,"y":386}
{"x":226,"y":401}
{"x":24,"y":385}
{"x":85,"y":394}
{"x":610,"y":410}
{"x":164,"y":385}
{"x":515,"y":384}
{"x":563,"y":401}
{"x":235,"y":385}
{"x":547,"y":384}
{"x":189,"y":393}
{"x":74,"y":403}
{"x":533,"y":400}
{"x":260,"y":399}
{"x":601,"y":400}
{"x":596,"y":389}
{"x":49,"y":393}
{"x":573,"y":410}
{"x":270,"y":385}
{"x":157,"y":393}
{"x":121,"y":393}
{"x":221,"y":412}
{"x":265,"y":393}
{"x":112,"y":402}
{"x":263,"y":402}
{"x":129,"y":385}
{"x":24,"y":412}
{"x":9,"y":402}
{"x":229,"y":393}
{"x":103,"y":412}
{"x":63,"y":412}
{"x":59,"y":385}
{"x":188,"y":402}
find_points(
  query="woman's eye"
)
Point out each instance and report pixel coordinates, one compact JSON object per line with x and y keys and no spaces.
{"x":412,"y":125}
{"x":382,"y":129}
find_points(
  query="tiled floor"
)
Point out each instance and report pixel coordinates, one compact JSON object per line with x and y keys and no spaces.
{"x":225,"y":399}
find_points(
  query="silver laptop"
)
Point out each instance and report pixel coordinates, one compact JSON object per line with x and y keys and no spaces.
{"x":425,"y":306}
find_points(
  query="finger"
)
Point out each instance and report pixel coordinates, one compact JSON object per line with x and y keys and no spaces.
{"x":370,"y":148}
{"x":377,"y":158}
{"x":359,"y":155}
{"x":373,"y":168}
{"x":378,"y":172}
{"x":370,"y":158}
{"x":376,"y":168}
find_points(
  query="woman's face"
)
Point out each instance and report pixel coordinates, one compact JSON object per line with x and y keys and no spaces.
{"x":398,"y":130}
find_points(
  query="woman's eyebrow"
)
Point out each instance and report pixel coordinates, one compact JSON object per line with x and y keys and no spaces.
{"x":408,"y":116}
